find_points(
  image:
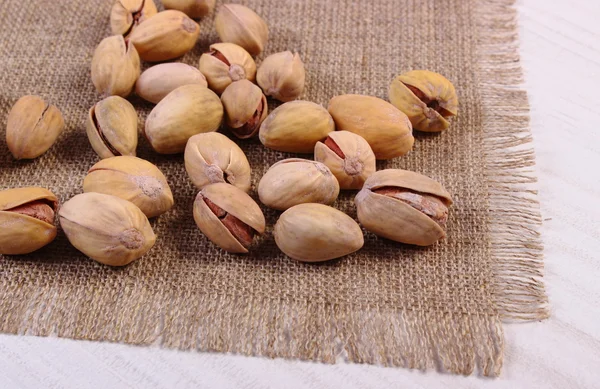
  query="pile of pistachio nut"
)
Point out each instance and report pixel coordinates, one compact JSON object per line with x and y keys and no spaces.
{"x":108,"y":222}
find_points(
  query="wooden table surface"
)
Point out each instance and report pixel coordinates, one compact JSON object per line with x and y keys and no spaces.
{"x":560,"y":48}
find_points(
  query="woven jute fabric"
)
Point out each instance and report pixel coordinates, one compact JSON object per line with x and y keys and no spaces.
{"x":391,"y":304}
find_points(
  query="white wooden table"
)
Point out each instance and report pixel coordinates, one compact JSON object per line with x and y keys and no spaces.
{"x":560,"y":47}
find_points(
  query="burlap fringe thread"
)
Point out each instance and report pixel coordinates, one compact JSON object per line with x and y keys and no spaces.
{"x":448,"y":341}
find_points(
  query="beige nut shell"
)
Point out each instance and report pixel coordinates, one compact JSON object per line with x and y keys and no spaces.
{"x":132,"y":179}
{"x":166,"y":35}
{"x":238,"y":24}
{"x":32,"y":127}
{"x":435,"y":87}
{"x":23,"y":234}
{"x":115,"y":67}
{"x":393,"y":219}
{"x":195,"y":9}
{"x":125,"y":15}
{"x":296,"y":127}
{"x":239,"y":65}
{"x":296,"y":181}
{"x":183,"y":113}
{"x":111,"y":127}
{"x":233,"y":201}
{"x":160,"y":80}
{"x":358,"y":162}
{"x":106,"y":228}
{"x":316,"y":232}
{"x":212,"y":157}
{"x":245,"y":108}
{"x":385,"y":127}
{"x":281,"y":76}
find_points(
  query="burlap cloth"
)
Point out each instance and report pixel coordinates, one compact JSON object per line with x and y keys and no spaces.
{"x":389,"y":304}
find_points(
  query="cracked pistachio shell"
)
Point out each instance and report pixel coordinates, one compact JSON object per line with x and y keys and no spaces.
{"x":238,"y":24}
{"x":166,"y":35}
{"x":348,"y":156}
{"x":160,"y":80}
{"x":183,"y":113}
{"x":427,"y":98}
{"x":407,"y":219}
{"x":115,"y":67}
{"x":212,"y":157}
{"x":226,"y":63}
{"x":112,"y":127}
{"x":281,"y":76}
{"x":316,"y":233}
{"x":132,"y":179}
{"x":245,"y":108}
{"x":238,"y":206}
{"x":384,"y":126}
{"x":106,"y":228}
{"x":195,"y":9}
{"x":32,"y":127}
{"x":125,"y":15}
{"x":296,"y":127}
{"x":295,"y":181}
{"x":26,"y":220}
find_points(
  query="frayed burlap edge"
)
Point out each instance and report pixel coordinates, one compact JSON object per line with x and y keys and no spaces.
{"x":515,"y":217}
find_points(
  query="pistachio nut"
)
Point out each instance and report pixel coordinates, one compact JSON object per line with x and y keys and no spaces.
{"x":125,"y":15}
{"x":404,"y":206}
{"x":187,"y":111}
{"x":166,"y":35}
{"x":132,"y":179}
{"x":427,"y":98}
{"x":226,"y":63}
{"x":160,"y":80}
{"x":296,"y":181}
{"x":195,"y":9}
{"x":245,"y":108}
{"x":26,"y":220}
{"x":348,"y":156}
{"x":212,"y":157}
{"x":32,"y":127}
{"x":112,"y":127}
{"x":281,"y":76}
{"x":238,"y":24}
{"x":115,"y":66}
{"x":228,"y":217}
{"x":296,"y":127}
{"x":384,"y":126}
{"x":316,"y":233}
{"x":106,"y":228}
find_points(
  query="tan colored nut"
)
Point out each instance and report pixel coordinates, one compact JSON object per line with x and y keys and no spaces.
{"x":166,"y":35}
{"x":348,"y":156}
{"x":115,"y":67}
{"x":226,"y":63}
{"x":32,"y":127}
{"x":125,"y":15}
{"x":296,"y":181}
{"x":228,"y":217}
{"x":316,"y":233}
{"x":112,"y":127}
{"x":26,"y":220}
{"x":238,"y":24}
{"x":132,"y":179}
{"x":427,"y":98}
{"x":185,"y":112}
{"x":281,"y":76}
{"x":160,"y":80}
{"x":384,"y":126}
{"x":212,"y":157}
{"x":245,"y":108}
{"x":404,"y":206}
{"x":296,"y":127}
{"x":195,"y":9}
{"x":106,"y":228}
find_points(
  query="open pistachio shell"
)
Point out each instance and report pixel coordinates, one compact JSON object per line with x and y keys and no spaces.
{"x":115,"y":66}
{"x":125,"y":15}
{"x":245,"y":108}
{"x":112,"y":127}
